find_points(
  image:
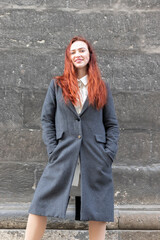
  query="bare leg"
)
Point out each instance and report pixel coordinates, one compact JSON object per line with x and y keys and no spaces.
{"x":36,"y":226}
{"x":97,"y":230}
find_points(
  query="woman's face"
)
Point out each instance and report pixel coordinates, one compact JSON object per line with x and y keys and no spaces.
{"x":79,"y":54}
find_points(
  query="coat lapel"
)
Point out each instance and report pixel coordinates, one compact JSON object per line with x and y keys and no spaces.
{"x":72,"y":108}
{"x":69,"y":104}
{"x":85,"y":106}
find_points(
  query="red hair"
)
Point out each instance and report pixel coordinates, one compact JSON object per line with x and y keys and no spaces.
{"x":97,"y":92}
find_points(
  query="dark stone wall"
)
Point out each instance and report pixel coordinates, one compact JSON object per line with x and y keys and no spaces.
{"x":126,"y":37}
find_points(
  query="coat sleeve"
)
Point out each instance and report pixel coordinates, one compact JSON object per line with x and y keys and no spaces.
{"x":48,"y":119}
{"x":111,"y":126}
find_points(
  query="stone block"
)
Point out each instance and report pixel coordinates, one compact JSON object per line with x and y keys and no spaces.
{"x":155,"y":146}
{"x":136,"y":185}
{"x":14,"y":216}
{"x":82,"y":235}
{"x":22,"y":146}
{"x":138,"y":110}
{"x":98,"y":4}
{"x":138,"y":148}
{"x":52,"y":28}
{"x":31,"y":69}
{"x":60,"y":4}
{"x":32,"y":104}
{"x":115,"y":224}
{"x":140,"y":235}
{"x":131,"y":71}
{"x":109,"y":4}
{"x":139,"y":220}
{"x":150,"y":38}
{"x":38,"y":4}
{"x":11,"y":110}
{"x":55,"y":234}
{"x":18,"y":181}
{"x":142,"y":4}
{"x":124,"y":71}
{"x":135,"y":149}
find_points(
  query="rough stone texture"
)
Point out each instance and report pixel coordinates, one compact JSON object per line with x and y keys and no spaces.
{"x":139,"y":220}
{"x":14,"y":215}
{"x":140,"y":235}
{"x":22,"y":146}
{"x":138,"y":110}
{"x":146,"y":217}
{"x":149,"y":38}
{"x":18,"y":180}
{"x":137,"y":185}
{"x":49,"y":234}
{"x":83,"y":235}
{"x":140,"y":4}
{"x":135,"y":148}
{"x":55,"y":235}
{"x":72,"y":224}
{"x":11,"y":109}
{"x":40,"y":4}
{"x":28,"y":69}
{"x":123,"y":30}
{"x":33,"y":3}
{"x":138,"y":148}
{"x":32,"y":102}
{"x":109,"y":4}
{"x":34,"y":68}
{"x":155,"y":146}
{"x":131,"y":71}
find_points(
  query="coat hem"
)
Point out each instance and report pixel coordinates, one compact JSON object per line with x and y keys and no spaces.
{"x":97,"y":220}
{"x":64,"y":217}
{"x":46,"y":215}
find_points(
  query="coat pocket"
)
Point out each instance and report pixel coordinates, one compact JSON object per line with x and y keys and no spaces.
{"x":59,"y":136}
{"x":102,"y":139}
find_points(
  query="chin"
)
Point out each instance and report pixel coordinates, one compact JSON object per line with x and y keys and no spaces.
{"x":80,"y":66}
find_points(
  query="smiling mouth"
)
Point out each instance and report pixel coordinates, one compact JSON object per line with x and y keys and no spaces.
{"x":78,"y":60}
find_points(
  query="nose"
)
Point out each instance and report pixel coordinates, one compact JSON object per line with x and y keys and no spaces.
{"x":77,"y":54}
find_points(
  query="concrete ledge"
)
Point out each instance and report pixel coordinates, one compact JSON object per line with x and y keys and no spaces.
{"x":82,"y":235}
{"x":133,"y":217}
{"x":139,"y":220}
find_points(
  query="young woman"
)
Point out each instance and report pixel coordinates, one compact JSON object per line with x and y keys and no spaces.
{"x":80,"y":131}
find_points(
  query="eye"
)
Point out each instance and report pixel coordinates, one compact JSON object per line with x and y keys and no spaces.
{"x":82,"y":50}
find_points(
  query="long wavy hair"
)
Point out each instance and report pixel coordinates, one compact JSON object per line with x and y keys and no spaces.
{"x":97,"y":92}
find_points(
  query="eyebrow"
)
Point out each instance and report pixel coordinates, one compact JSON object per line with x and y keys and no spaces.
{"x":78,"y":49}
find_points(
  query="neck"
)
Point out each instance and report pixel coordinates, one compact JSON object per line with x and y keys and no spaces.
{"x":81,"y":72}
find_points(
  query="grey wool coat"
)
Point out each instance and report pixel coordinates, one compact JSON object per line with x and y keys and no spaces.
{"x":92,"y":135}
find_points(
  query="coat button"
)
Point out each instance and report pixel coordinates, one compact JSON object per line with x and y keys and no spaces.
{"x":79,"y":136}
